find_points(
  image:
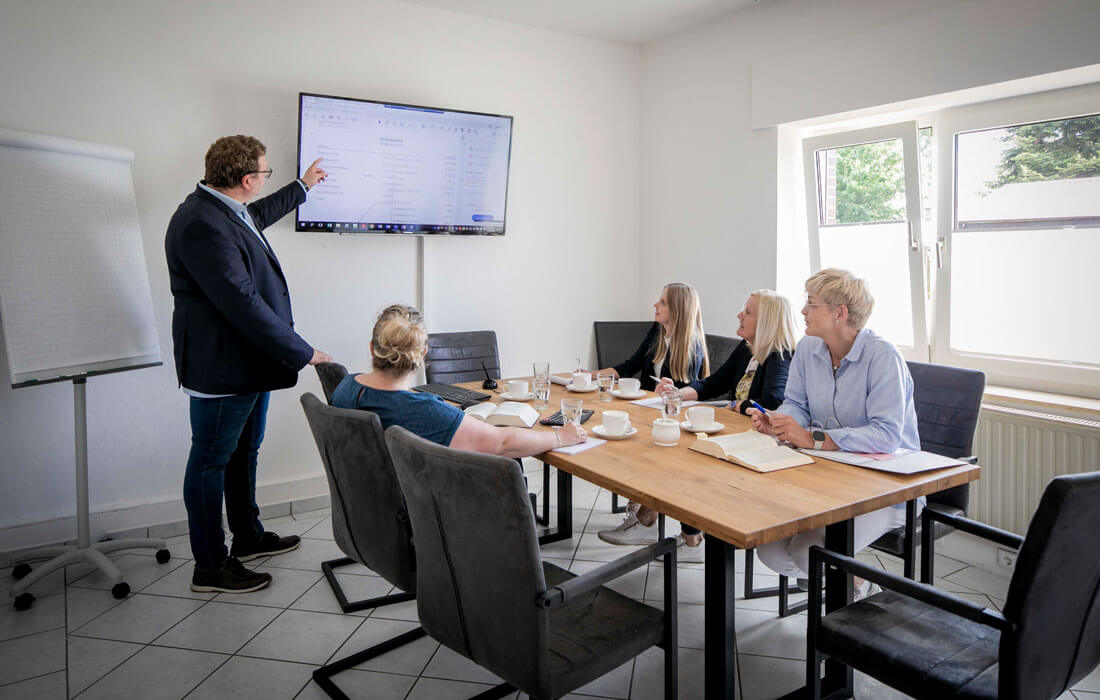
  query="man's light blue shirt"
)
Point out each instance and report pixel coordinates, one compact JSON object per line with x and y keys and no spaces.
{"x":866,"y":407}
{"x":241,"y":210}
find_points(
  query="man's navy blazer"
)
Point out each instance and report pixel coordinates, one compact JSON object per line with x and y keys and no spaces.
{"x":232,"y":328}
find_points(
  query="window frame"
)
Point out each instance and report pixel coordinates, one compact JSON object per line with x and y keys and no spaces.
{"x":1064,"y":377}
{"x":906,"y":132}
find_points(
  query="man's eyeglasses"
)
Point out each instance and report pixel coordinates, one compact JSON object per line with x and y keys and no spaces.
{"x":265,"y":173}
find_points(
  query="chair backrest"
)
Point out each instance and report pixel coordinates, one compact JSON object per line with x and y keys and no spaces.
{"x":617,"y":340}
{"x":948,"y":401}
{"x":330,"y":374}
{"x":456,"y":357}
{"x":479,"y":571}
{"x":369,"y":520}
{"x":719,"y":349}
{"x":1054,"y":596}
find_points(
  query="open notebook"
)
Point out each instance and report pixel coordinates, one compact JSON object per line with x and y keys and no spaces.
{"x":751,"y":449}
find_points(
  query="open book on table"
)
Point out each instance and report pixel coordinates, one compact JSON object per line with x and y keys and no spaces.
{"x":509,"y":413}
{"x":751,"y":449}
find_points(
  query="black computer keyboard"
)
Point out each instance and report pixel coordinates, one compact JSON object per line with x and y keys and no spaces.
{"x":463,"y":397}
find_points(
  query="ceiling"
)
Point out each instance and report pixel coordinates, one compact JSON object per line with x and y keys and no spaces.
{"x":630,"y":21}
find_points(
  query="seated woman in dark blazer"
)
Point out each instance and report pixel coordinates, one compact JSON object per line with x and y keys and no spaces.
{"x":675,"y":346}
{"x":756,"y":370}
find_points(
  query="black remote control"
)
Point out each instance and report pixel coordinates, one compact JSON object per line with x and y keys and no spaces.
{"x":558,"y":419}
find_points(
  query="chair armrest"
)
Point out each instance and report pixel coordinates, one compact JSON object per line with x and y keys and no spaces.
{"x":1002,"y":537}
{"x":920,"y":591}
{"x":970,"y":459}
{"x":574,"y":587}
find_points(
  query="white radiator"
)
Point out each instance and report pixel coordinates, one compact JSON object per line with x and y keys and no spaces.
{"x":1019,"y":452}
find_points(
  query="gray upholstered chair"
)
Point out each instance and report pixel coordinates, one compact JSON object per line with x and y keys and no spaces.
{"x":948,"y":402}
{"x":617,"y":340}
{"x":484,"y":591}
{"x":330,"y":374}
{"x":369,"y":520}
{"x":454,"y":358}
{"x":932,"y":644}
{"x":719,"y":349}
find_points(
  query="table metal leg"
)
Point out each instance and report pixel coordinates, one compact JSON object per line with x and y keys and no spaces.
{"x":564,"y":528}
{"x":720,"y":633}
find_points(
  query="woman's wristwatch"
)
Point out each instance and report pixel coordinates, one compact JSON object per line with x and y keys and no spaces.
{"x":819,"y":438}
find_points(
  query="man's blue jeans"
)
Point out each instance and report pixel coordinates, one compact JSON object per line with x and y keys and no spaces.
{"x":225,"y":440}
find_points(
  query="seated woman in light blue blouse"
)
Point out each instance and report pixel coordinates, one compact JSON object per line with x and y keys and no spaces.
{"x":849,"y":390}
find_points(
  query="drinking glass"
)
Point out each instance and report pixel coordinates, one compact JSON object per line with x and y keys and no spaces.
{"x":541,"y":369}
{"x":571,"y":409}
{"x":541,"y":388}
{"x":672,"y":401}
{"x":606,"y":380}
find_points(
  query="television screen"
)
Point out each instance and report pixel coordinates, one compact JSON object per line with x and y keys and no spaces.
{"x":395,"y":168}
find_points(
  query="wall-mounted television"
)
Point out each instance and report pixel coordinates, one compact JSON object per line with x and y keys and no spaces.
{"x":403,"y":169}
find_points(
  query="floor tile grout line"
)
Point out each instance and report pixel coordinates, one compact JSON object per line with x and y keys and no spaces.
{"x":31,"y":634}
{"x":31,"y":678}
{"x":109,"y":671}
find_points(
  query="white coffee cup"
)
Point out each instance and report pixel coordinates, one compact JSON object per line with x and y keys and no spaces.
{"x":629,"y":386}
{"x":700,"y":416}
{"x":666,"y":432}
{"x":616,"y":422}
{"x":582,"y":380}
{"x":517,"y":387}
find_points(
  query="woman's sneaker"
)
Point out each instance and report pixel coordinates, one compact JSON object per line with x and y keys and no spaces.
{"x":688,"y":554}
{"x":232,"y":577}
{"x":631,"y":532}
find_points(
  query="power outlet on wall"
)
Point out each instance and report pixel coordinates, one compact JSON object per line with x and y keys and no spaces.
{"x":1006,"y":558}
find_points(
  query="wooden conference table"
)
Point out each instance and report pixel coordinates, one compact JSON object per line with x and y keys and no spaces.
{"x":736,"y":508}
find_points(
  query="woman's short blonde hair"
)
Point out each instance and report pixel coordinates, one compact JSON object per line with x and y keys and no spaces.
{"x":775,"y":330}
{"x":398,"y":340}
{"x":842,"y":288}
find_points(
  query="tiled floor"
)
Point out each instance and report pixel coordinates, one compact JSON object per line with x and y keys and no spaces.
{"x":166,"y":642}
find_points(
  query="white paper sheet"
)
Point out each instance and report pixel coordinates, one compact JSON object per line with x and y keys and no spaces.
{"x":580,"y":447}
{"x":910,"y":463}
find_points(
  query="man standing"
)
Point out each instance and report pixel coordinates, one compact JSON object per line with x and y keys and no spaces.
{"x":234,"y":342}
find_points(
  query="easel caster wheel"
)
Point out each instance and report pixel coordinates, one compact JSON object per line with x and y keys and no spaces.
{"x":121,"y":590}
{"x":20,"y":571}
{"x":23,"y":601}
{"x":163,"y":555}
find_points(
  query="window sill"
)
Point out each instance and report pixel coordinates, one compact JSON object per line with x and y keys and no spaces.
{"x":1061,"y":404}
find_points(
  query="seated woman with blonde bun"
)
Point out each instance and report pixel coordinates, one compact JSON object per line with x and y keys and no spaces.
{"x":398,"y":346}
{"x":849,"y":390}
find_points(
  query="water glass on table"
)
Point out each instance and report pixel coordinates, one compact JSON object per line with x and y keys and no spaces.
{"x":606,"y":380}
{"x":571,"y":409}
{"x":671,"y":399}
{"x":540,"y":386}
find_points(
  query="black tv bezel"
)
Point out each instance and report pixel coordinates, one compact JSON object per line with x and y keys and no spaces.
{"x":298,"y":227}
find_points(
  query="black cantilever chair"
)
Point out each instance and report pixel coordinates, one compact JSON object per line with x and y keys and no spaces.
{"x":931,"y":644}
{"x":330,"y":374}
{"x":948,"y":402}
{"x":369,"y":520}
{"x":484,"y":591}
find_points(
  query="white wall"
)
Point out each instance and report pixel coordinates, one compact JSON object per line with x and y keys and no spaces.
{"x":166,"y":79}
{"x":716,"y":194}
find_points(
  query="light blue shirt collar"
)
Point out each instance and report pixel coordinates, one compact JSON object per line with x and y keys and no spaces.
{"x":854,"y":354}
{"x":238,"y":208}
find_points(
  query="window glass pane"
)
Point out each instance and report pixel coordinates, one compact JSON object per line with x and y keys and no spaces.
{"x":1048,"y":170}
{"x":1015,"y":294}
{"x":861,"y":183}
{"x":878,"y":253}
{"x":927,"y":186}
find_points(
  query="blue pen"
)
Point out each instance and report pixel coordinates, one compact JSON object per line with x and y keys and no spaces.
{"x":758,"y":407}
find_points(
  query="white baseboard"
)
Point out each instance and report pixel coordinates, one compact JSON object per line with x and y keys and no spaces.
{"x":163,"y":519}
